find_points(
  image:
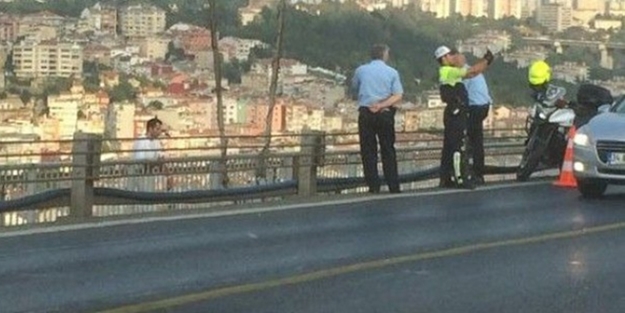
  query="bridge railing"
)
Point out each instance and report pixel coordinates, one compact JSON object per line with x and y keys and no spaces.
{"x":81,"y":181}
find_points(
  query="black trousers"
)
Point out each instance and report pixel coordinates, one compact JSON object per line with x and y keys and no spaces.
{"x":455,"y":120}
{"x":475,"y":132}
{"x":371,"y":128}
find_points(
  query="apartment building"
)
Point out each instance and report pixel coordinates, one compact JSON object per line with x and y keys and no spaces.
{"x":555,"y":17}
{"x":64,"y":108}
{"x":530,"y":6}
{"x":615,"y":8}
{"x":469,"y":7}
{"x":47,"y":59}
{"x":248,"y":15}
{"x":304,"y":116}
{"x":608,"y":24}
{"x":4,"y":53}
{"x":398,"y":3}
{"x":440,"y":8}
{"x":142,"y":20}
{"x":498,"y":9}
{"x":154,"y":47}
{"x":591,"y":5}
{"x":40,"y":32}
{"x":101,"y":18}
{"x":9,"y":28}
{"x":238,"y":48}
{"x":235,"y":111}
{"x":256,"y":116}
{"x":46,"y":18}
{"x":95,"y":52}
{"x":193,"y":39}
{"x":124,"y":123}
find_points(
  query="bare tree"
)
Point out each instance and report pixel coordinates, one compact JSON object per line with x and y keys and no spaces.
{"x":273,"y":87}
{"x":217,"y":62}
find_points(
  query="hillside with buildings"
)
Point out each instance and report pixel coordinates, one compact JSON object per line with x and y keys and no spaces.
{"x":109,"y":67}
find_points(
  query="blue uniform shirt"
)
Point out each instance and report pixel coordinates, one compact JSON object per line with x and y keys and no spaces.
{"x":478,"y":90}
{"x":375,"y":82}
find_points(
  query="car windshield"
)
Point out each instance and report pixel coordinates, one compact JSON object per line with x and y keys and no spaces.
{"x":619,"y":107}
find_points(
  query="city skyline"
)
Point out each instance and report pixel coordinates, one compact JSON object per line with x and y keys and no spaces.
{"x":138,"y":67}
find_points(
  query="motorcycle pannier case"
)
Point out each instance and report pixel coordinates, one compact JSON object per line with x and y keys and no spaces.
{"x":593,"y":96}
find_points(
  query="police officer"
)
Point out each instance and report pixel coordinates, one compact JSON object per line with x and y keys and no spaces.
{"x":378,"y":88}
{"x":589,"y":96}
{"x":479,"y":106}
{"x":539,"y":76}
{"x":455,"y":170}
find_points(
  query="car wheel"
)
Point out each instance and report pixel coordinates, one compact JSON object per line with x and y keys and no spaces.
{"x":591,"y":189}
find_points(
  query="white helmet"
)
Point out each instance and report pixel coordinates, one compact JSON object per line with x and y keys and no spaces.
{"x":441,"y":52}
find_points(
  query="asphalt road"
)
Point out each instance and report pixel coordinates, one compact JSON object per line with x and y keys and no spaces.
{"x":532,"y":248}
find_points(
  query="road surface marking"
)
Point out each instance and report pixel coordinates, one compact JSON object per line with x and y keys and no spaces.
{"x":269,"y":208}
{"x":352,"y":268}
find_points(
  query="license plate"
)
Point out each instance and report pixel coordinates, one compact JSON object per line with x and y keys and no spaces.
{"x":617,"y":158}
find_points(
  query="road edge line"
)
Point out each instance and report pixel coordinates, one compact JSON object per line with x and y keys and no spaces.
{"x":266,"y":209}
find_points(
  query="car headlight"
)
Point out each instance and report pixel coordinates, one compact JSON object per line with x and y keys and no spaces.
{"x":581,"y":140}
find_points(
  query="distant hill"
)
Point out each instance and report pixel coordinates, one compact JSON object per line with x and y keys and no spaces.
{"x":338,"y":37}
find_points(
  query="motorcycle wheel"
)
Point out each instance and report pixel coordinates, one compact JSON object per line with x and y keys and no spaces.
{"x":530,"y":160}
{"x":557,"y":148}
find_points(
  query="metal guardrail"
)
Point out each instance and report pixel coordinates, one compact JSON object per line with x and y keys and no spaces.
{"x":82,"y":186}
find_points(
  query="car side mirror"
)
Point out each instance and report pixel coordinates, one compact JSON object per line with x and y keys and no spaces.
{"x":604,"y":108}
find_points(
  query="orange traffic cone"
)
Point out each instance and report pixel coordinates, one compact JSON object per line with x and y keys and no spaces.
{"x":567,"y":179}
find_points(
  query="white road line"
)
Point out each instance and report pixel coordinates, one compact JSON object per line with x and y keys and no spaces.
{"x":268,"y":208}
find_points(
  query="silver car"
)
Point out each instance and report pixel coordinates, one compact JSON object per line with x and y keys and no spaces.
{"x":599,"y":151}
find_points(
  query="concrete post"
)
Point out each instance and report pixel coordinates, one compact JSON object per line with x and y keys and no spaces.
{"x":215,"y":176}
{"x":287,"y":171}
{"x":32,"y":176}
{"x":311,"y":156}
{"x":607,"y":60}
{"x":85,"y":170}
{"x":3,"y":194}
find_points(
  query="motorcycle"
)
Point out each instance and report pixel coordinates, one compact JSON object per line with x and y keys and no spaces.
{"x":549,"y":121}
{"x":547,"y":127}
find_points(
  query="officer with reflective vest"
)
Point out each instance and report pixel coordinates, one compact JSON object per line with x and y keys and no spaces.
{"x":589,"y":96}
{"x":539,"y":76}
{"x":455,"y":165}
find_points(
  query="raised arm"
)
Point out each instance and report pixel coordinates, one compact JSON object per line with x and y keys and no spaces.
{"x":477,"y":69}
{"x":481,"y":65}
